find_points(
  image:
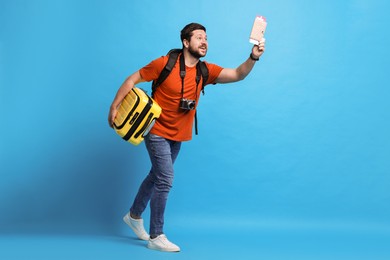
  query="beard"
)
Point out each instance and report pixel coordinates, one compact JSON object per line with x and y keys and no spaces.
{"x":196,"y":53}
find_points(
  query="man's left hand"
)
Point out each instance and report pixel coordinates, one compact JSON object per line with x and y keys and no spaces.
{"x":258,"y":50}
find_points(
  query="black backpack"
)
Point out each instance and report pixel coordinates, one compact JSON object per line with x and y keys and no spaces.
{"x":173,"y":55}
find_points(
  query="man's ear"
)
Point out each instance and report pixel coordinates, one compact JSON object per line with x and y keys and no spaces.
{"x":186,"y":43}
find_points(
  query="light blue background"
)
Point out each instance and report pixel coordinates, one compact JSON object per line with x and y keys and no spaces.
{"x":301,"y":144}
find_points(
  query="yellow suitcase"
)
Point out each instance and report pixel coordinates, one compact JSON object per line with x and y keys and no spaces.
{"x":136,"y":116}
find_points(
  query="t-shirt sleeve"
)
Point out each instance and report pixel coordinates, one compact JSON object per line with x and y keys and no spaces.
{"x":214,"y":71}
{"x":153,"y":69}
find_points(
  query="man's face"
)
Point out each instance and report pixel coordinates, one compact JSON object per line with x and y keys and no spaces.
{"x":198,"y":44}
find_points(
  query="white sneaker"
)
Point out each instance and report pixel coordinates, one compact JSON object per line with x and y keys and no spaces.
{"x":163,"y":244}
{"x":137,"y":225}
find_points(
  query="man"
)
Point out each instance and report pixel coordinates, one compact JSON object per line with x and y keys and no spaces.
{"x":173,"y":126}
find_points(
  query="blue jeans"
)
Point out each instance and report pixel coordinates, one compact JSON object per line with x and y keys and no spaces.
{"x":158,"y":182}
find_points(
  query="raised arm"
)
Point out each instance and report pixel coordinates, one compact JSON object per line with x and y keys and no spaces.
{"x":239,"y":73}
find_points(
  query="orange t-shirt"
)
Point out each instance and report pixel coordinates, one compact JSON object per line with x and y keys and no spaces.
{"x":174,"y":123}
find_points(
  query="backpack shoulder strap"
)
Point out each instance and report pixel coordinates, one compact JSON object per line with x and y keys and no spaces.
{"x":204,"y":71}
{"x":173,"y":54}
{"x":205,"y":74}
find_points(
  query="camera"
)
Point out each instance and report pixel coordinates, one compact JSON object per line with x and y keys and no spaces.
{"x":187,"y":104}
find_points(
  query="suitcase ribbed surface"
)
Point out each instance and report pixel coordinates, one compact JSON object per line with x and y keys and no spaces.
{"x":136,"y":115}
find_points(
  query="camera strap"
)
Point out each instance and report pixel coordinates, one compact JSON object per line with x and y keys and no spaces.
{"x":183,"y":74}
{"x":197,"y":80}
